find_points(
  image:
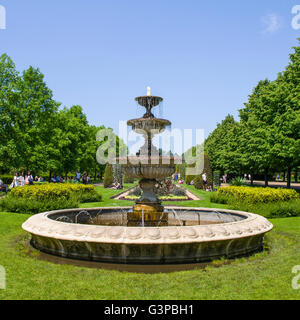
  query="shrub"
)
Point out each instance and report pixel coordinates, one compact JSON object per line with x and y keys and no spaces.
{"x":209,"y":175}
{"x":198,"y":182}
{"x":257,"y":194}
{"x":108,"y":176}
{"x":127,"y":179}
{"x":218,"y":198}
{"x":216,"y":179}
{"x":20,"y":205}
{"x":279,"y":209}
{"x":238,"y":182}
{"x":7,"y":179}
{"x":46,"y":197}
{"x":49,"y":191}
{"x":189,"y":179}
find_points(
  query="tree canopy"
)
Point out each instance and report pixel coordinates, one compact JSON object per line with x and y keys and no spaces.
{"x":266,"y":139}
{"x":36,"y":132}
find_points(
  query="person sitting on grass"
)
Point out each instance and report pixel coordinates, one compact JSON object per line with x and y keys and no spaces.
{"x":209,"y":189}
{"x":117,"y":186}
{"x":16,"y":181}
{"x":28,"y":179}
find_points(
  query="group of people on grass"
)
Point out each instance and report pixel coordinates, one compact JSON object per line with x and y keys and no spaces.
{"x":19,"y":180}
{"x":78,"y":178}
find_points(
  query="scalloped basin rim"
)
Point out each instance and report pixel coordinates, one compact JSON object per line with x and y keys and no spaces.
{"x":253,"y":225}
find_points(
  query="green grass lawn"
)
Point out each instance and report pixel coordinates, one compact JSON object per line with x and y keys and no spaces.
{"x":108,"y":193}
{"x":265,"y":275}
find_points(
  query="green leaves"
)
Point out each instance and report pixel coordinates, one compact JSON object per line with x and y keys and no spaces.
{"x":267,"y":136}
{"x":35,"y":135}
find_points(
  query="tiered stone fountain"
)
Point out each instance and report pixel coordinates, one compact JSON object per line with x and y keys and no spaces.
{"x":148,"y":233}
{"x":148,"y":166}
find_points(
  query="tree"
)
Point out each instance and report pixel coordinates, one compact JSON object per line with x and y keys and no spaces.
{"x":222,"y":146}
{"x":9,"y":130}
{"x":37,"y":113}
{"x":108,"y":176}
{"x":287,"y":120}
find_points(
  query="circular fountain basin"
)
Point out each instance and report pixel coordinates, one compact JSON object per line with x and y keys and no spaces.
{"x":192,"y":235}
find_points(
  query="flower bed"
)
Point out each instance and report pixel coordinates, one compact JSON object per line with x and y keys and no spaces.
{"x":170,"y":197}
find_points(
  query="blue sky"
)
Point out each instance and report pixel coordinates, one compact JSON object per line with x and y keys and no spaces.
{"x":202,"y":57}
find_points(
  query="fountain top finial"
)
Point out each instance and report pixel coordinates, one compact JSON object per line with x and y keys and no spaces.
{"x":149,"y":101}
{"x":148,"y":91}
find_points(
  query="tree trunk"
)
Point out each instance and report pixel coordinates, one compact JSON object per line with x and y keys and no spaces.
{"x":252,"y":178}
{"x":288,"y":178}
{"x":296,"y":175}
{"x":284,"y":176}
{"x":50,"y":175}
{"x":266,"y":178}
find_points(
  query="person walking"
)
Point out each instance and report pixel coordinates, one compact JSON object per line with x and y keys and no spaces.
{"x":84,"y":178}
{"x":204,"y":179}
{"x":78,"y":176}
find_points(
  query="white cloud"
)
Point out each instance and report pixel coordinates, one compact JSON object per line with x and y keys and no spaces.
{"x":271,"y":23}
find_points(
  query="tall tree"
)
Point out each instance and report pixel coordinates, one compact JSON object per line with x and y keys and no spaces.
{"x":9,"y":113}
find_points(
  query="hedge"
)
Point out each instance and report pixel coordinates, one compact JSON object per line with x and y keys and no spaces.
{"x":257,"y":194}
{"x":108,"y":176}
{"x":47,"y":197}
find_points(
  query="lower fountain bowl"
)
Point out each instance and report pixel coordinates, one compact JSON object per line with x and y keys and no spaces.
{"x":192,"y":235}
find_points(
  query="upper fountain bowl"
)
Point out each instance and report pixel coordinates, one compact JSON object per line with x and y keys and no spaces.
{"x":145,"y":100}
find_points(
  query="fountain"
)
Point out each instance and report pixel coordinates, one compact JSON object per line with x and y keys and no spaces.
{"x":148,"y":233}
{"x":148,"y":166}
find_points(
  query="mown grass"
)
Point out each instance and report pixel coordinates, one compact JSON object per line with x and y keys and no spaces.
{"x":108,"y":193}
{"x":265,"y":275}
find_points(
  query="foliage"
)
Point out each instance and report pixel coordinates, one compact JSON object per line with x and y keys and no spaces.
{"x":7,"y":178}
{"x":36,"y":134}
{"x":278,"y":209}
{"x":198,"y":182}
{"x":108,"y":176}
{"x":215,"y":197}
{"x":117,"y":173}
{"x":238,"y":182}
{"x":46,"y":197}
{"x":167,"y":197}
{"x":21,"y":205}
{"x":52,"y":191}
{"x":127,"y":179}
{"x":180,"y":169}
{"x":257,"y":194}
{"x":189,"y":179}
{"x":216,"y":178}
{"x":166,"y":187}
{"x":267,"y":138}
{"x":222,"y":146}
